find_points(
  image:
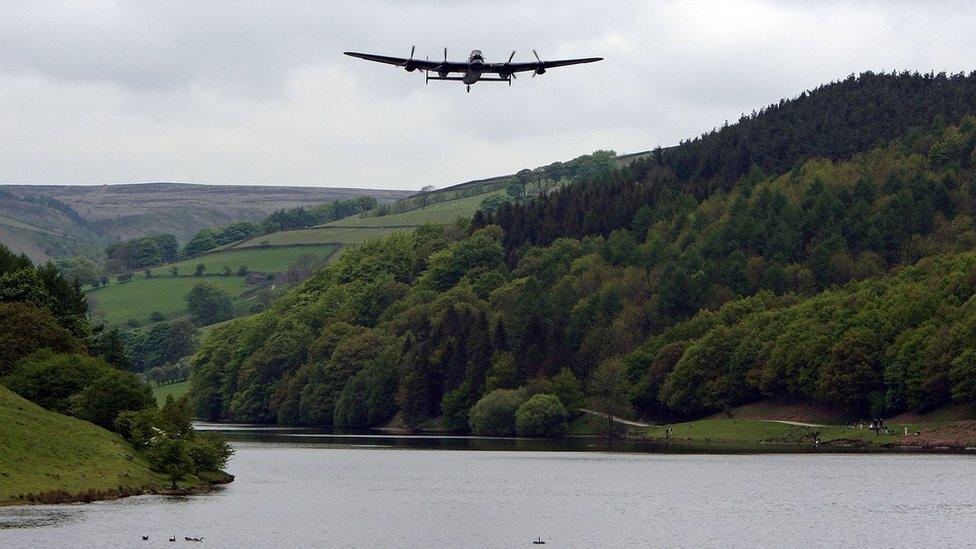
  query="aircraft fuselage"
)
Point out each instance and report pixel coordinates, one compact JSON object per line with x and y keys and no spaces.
{"x":475,"y":63}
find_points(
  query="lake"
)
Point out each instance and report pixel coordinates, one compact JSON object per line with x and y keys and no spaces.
{"x":301,"y":488}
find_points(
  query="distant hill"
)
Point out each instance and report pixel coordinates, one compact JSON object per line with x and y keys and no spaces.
{"x":46,"y":221}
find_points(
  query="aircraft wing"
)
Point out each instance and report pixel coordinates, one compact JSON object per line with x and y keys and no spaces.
{"x":420,"y":64}
{"x":522,"y":67}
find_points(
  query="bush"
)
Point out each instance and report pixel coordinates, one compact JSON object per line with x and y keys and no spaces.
{"x":138,"y":427}
{"x":494,"y":414}
{"x":157,"y":316}
{"x":541,"y":416}
{"x":132,"y":323}
{"x":209,"y":452}
{"x":170,"y":456}
{"x":109,"y":395}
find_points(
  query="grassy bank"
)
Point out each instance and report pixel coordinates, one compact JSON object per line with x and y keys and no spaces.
{"x":735,"y":429}
{"x":45,"y":456}
{"x":176,"y":389}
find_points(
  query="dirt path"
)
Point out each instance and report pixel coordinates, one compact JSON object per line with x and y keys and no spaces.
{"x":617,"y":419}
{"x":797,"y":423}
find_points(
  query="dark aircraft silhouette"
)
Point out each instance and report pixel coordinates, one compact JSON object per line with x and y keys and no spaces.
{"x":472,"y":69}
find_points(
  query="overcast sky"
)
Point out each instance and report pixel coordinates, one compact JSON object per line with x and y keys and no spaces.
{"x":259,"y":93}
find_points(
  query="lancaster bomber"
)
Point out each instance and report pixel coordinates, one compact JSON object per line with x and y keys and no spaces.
{"x":472,"y":70}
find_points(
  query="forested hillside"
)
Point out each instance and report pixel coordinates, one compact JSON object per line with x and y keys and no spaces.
{"x":804,"y":251}
{"x":833,"y":122}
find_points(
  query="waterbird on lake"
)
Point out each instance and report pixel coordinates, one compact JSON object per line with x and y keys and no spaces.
{"x":538,"y":541}
{"x":173,"y":538}
{"x":145,"y":538}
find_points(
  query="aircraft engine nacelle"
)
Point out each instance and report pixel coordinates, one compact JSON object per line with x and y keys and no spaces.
{"x":540,"y":70}
{"x":504,"y":75}
{"x":410,"y":68}
{"x":443,"y":74}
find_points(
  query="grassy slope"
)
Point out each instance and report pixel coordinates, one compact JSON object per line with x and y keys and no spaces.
{"x":175,"y":389}
{"x":317,"y":235}
{"x":266,"y":260}
{"x":42,"y":451}
{"x":442,"y":212}
{"x":354,"y":229}
{"x":139,"y":298}
{"x":763,"y":431}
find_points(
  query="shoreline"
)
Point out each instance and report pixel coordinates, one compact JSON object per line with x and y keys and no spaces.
{"x":59,"y":496}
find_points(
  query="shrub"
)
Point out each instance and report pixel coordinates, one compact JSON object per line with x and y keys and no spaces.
{"x":170,"y":456}
{"x":208,"y":451}
{"x":541,"y":416}
{"x":494,"y":414}
{"x":137,"y":426}
{"x":157,"y":316}
{"x":109,"y":395}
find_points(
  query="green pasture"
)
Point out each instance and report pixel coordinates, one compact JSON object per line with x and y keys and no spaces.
{"x":264,"y":259}
{"x":137,"y":299}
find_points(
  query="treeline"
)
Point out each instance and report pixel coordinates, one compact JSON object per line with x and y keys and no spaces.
{"x":428,"y":325}
{"x":281,"y":220}
{"x":142,"y":252}
{"x":833,"y":121}
{"x":525,"y":184}
{"x":153,"y":250}
{"x":870,"y":349}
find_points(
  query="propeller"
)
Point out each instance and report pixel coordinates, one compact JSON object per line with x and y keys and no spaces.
{"x":511,"y":75}
{"x":409,"y":64}
{"x":540,"y":69}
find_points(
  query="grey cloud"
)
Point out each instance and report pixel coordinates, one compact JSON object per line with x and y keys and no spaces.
{"x":258,"y":92}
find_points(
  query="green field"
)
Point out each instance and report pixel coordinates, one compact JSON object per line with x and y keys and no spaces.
{"x":137,"y":299}
{"x":263,"y":260}
{"x":317,"y":235}
{"x":42,"y":451}
{"x":441,"y":212}
{"x":176,"y":389}
{"x":764,"y":431}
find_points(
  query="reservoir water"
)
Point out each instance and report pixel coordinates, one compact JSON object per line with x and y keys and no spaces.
{"x":298,"y":489}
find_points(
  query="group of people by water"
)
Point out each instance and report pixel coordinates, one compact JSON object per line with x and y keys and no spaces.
{"x":879,"y":426}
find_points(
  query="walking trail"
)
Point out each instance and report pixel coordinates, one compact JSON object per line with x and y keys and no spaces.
{"x":641,"y":424}
{"x":617,"y":419}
